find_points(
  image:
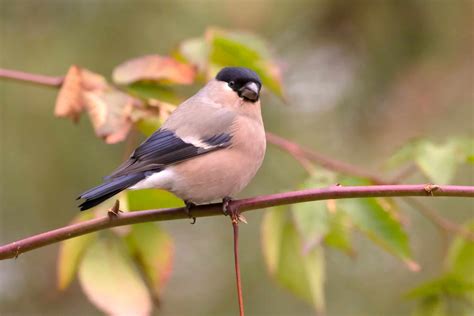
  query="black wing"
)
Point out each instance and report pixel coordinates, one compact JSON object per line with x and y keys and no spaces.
{"x":165,"y":148}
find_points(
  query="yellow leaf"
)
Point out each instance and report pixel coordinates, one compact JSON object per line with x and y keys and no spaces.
{"x":71,"y":252}
{"x":111,"y":281}
{"x":301,"y":272}
{"x":154,"y":249}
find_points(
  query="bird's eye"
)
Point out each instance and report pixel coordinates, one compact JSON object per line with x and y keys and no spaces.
{"x":231,"y":84}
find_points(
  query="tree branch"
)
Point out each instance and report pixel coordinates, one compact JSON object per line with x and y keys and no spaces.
{"x":42,"y":80}
{"x":305,"y":156}
{"x":300,"y":153}
{"x":13,"y":249}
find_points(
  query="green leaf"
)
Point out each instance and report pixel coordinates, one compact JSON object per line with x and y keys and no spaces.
{"x":432,"y":306}
{"x":154,"y":250}
{"x":448,"y":295}
{"x":247,"y":50}
{"x":194,"y":51}
{"x":379,"y":225}
{"x":460,"y":259}
{"x":321,"y":220}
{"x":272,"y":227}
{"x":313,"y":218}
{"x":467,"y":148}
{"x":339,"y":234}
{"x":438,"y":162}
{"x":152,"y":90}
{"x":403,"y":155}
{"x":452,"y":294}
{"x":71,"y":252}
{"x":150,"y":199}
{"x":111,"y":281}
{"x":448,"y":284}
{"x":303,"y":273}
{"x":149,"y":125}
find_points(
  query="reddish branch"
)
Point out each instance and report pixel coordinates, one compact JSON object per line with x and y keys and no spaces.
{"x":13,"y":249}
{"x":301,"y":153}
{"x":240,"y":299}
{"x":31,"y":78}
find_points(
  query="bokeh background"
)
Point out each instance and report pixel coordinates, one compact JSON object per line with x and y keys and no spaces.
{"x":362,"y":77}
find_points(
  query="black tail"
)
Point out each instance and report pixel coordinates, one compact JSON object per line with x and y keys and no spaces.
{"x":108,"y":189}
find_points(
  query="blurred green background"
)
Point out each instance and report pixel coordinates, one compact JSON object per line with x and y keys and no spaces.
{"x":362,"y":77}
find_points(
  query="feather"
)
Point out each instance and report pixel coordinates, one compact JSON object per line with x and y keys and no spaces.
{"x":165,"y":148}
{"x":108,"y":189}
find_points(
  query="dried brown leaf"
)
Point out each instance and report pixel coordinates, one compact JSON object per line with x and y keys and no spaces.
{"x":91,"y":81}
{"x":70,"y":101}
{"x":164,"y":108}
{"x":109,"y":111}
{"x":154,"y":67}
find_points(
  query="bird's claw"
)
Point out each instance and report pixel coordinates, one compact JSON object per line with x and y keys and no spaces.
{"x":231,"y":211}
{"x":187,"y":208}
{"x":225,"y":205}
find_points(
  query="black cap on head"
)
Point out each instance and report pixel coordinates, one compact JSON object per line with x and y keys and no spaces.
{"x":240,"y":79}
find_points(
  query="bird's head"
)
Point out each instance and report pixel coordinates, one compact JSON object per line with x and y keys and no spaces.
{"x":243,"y":81}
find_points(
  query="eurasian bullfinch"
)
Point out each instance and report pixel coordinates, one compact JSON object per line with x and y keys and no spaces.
{"x":208,"y":149}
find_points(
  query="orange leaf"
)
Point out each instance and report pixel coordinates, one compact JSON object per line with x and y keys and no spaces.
{"x":91,"y":81}
{"x":70,"y":100}
{"x":153,"y":67}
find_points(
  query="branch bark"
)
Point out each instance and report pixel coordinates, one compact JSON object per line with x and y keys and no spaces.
{"x":14,"y":249}
{"x":42,"y":80}
{"x":301,"y":153}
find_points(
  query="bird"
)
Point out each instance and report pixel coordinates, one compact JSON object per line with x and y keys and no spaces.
{"x":209,"y":148}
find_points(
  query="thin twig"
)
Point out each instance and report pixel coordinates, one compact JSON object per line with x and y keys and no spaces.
{"x":404,"y":173}
{"x":235,"y":226}
{"x":42,"y":80}
{"x":326,"y":162}
{"x":335,"y":192}
{"x":440,"y":221}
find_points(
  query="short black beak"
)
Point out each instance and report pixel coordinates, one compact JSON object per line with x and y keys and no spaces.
{"x":250,"y":91}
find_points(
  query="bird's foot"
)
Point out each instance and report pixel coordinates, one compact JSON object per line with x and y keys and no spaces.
{"x":226,"y":205}
{"x":114,"y":211}
{"x":187,"y":208}
{"x":233,"y":212}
